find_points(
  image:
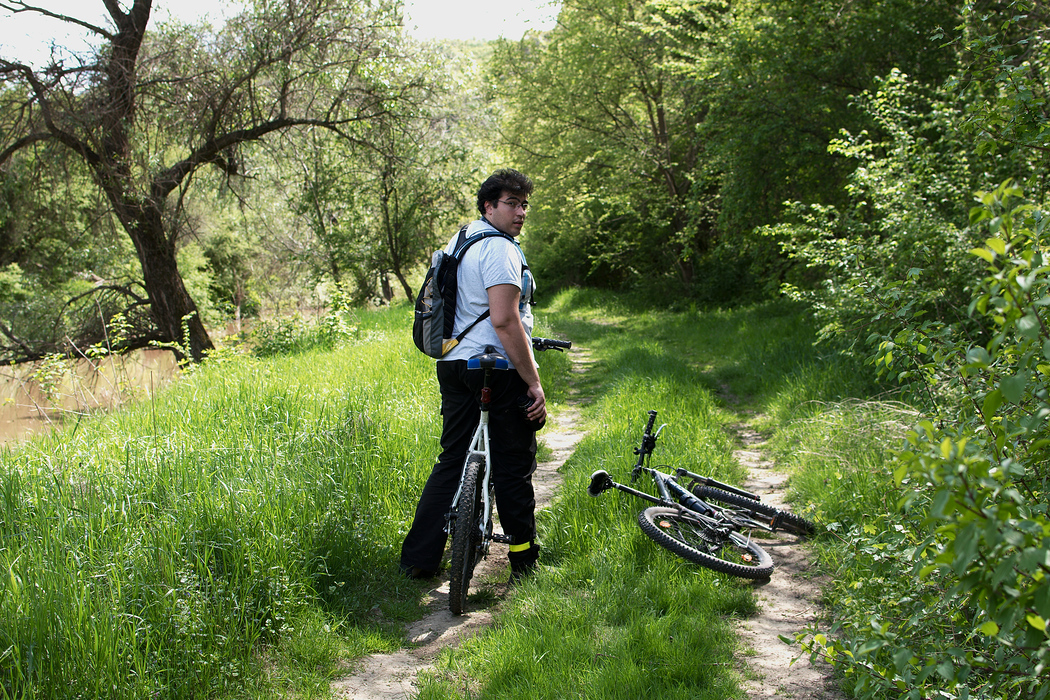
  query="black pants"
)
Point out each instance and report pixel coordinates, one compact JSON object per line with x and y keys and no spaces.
{"x":513,"y":449}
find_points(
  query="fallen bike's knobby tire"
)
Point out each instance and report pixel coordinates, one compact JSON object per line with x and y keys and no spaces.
{"x":780,"y":519}
{"x":688,"y":537}
{"x":466,"y":537}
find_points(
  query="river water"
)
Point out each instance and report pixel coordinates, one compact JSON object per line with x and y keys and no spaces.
{"x":31,"y":405}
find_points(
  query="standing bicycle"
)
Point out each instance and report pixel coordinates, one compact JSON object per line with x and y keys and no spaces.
{"x":469,"y":520}
{"x":709,"y":523}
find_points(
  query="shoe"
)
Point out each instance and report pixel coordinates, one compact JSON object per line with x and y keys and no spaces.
{"x":414,"y":572}
{"x":524,"y":563}
{"x":521,"y":571}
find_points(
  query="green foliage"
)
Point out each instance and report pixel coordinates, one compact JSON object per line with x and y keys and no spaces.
{"x":781,"y":88}
{"x":203,"y":98}
{"x":297,"y":334}
{"x":1004,"y":87}
{"x":229,"y":265}
{"x":949,"y":596}
{"x":974,"y":544}
{"x":662,"y":133}
{"x":12,"y":285}
{"x":597,"y":118}
{"x":895,"y":254}
{"x":64,"y":268}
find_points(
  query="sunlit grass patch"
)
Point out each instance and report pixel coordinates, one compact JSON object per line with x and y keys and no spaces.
{"x":177,"y":539}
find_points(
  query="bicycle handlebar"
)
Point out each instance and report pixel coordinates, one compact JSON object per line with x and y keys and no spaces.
{"x":652,"y":422}
{"x":551,"y":344}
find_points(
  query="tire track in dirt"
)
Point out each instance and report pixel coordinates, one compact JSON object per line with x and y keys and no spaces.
{"x":393,"y":676}
{"x":787,"y":603}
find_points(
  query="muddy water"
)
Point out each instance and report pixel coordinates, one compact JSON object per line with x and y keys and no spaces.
{"x":27,"y":408}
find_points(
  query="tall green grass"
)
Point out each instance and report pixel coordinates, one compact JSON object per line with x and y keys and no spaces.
{"x":238,"y":535}
{"x":168,"y":550}
{"x":235,"y":536}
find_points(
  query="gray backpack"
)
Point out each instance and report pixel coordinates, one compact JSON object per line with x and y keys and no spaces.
{"x":436,"y":301}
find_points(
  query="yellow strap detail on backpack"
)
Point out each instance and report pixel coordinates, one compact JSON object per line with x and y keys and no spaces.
{"x":447,"y":345}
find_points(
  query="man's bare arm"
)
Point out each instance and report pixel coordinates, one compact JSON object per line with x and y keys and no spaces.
{"x":503,"y":309}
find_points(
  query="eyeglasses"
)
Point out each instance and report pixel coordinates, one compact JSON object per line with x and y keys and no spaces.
{"x":514,"y":204}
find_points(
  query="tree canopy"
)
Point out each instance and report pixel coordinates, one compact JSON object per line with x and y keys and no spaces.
{"x":151,"y":108}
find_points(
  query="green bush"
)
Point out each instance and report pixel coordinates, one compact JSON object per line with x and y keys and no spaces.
{"x":851,"y":264}
{"x":963,"y":596}
{"x":297,"y":334}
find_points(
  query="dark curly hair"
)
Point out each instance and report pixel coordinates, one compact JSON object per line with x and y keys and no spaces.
{"x":505,"y":180}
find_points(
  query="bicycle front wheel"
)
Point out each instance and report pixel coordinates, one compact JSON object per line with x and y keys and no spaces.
{"x":466,"y":536}
{"x":778,"y":519}
{"x":692,"y":539}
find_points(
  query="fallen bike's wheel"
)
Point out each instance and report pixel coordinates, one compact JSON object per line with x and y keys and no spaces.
{"x":688,"y":537}
{"x":778,"y":519}
{"x":466,"y":537}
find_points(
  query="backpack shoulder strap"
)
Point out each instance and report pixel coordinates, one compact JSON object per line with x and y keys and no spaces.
{"x":462,"y":242}
{"x":461,"y":237}
{"x":458,"y":253}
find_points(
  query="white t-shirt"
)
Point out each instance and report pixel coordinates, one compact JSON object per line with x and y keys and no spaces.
{"x":488,"y":262}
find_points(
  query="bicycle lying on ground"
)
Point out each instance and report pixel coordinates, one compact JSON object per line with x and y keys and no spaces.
{"x":707,"y":522}
{"x":470,"y":516}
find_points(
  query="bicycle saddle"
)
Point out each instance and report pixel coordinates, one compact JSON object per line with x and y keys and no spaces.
{"x":490,"y":359}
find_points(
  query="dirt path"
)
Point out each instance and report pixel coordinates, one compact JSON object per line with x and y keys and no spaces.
{"x":393,"y":676}
{"x":787,"y":603}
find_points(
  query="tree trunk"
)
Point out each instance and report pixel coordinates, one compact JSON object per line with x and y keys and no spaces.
{"x":409,"y":294}
{"x":170,"y":303}
{"x":388,"y":292}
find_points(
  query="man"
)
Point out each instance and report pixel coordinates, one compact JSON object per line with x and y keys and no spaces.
{"x":491,"y":276}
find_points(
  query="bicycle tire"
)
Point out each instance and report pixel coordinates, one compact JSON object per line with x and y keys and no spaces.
{"x":779,"y":519}
{"x":466,"y":537}
{"x":688,"y":537}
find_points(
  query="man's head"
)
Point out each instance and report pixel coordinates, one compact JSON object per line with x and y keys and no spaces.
{"x":503,"y":199}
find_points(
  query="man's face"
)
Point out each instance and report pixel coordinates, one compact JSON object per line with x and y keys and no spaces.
{"x":507,"y":213}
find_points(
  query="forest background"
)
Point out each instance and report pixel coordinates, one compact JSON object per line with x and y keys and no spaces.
{"x":311,"y":154}
{"x":700,"y":152}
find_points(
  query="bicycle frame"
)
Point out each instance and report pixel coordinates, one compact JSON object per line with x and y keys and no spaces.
{"x":674,"y":495}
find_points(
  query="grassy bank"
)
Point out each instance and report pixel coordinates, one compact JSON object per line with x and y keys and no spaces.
{"x":193,"y":546}
{"x":238,"y":536}
{"x":232,"y":538}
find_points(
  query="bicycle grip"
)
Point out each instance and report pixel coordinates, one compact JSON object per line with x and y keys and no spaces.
{"x":551,"y":344}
